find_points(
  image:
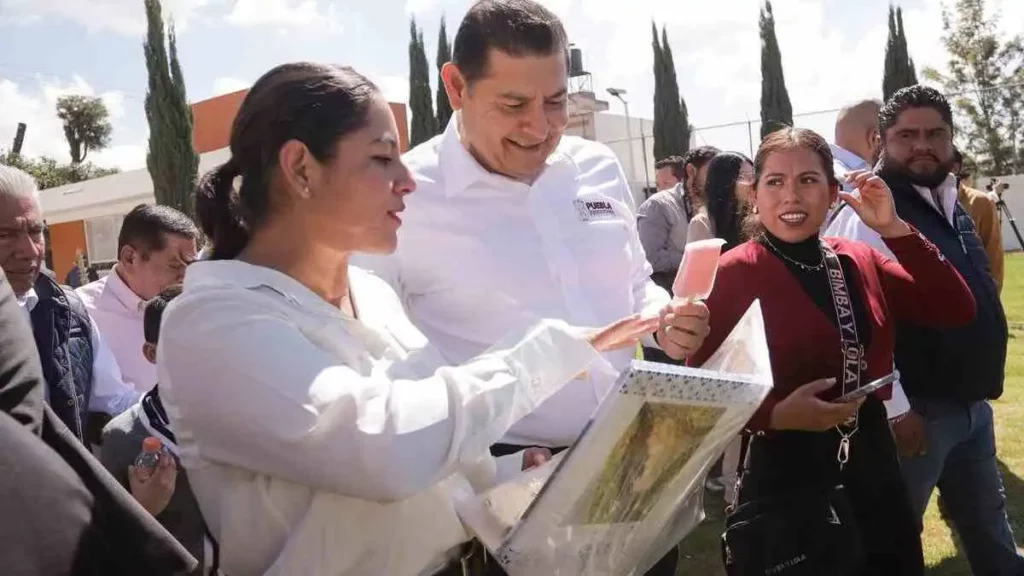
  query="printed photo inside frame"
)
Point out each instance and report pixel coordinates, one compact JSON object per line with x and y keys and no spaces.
{"x":629,"y":489}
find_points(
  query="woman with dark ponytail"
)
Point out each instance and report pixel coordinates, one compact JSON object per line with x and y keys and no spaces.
{"x":726,"y":195}
{"x":321,"y":433}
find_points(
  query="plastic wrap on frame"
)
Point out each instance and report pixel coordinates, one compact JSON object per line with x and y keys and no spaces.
{"x":631,"y":487}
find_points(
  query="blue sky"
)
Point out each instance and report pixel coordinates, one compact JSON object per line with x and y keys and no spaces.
{"x":832,"y":53}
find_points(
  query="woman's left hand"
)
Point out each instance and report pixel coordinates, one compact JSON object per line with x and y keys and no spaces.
{"x":874,"y":205}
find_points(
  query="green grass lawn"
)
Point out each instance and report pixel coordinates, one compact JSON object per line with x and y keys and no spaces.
{"x":699,"y":553}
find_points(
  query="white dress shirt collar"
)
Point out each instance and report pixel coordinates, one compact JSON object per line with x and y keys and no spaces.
{"x":372,"y":325}
{"x":123,"y":293}
{"x":461,"y":170}
{"x":28,"y":300}
{"x":245,"y":275}
{"x":947,"y":192}
{"x":848,"y":159}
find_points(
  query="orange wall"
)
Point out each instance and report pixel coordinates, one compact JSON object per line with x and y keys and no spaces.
{"x":66,"y":239}
{"x":212,"y":121}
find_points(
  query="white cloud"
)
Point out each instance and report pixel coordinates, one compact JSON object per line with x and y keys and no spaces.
{"x":124,"y":156}
{"x":129,"y":17}
{"x":307,"y":15}
{"x":121,"y":16}
{"x":229,"y":84}
{"x":35,"y":105}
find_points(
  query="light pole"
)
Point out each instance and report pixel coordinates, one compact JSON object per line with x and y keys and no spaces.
{"x":619,"y":93}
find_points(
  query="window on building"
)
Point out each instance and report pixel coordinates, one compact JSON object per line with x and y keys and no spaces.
{"x":101,"y":238}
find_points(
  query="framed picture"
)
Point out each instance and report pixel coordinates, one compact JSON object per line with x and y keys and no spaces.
{"x":632,"y":485}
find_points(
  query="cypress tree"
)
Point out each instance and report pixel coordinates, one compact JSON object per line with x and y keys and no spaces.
{"x":677,"y":128}
{"x":171,"y":159}
{"x":688,"y":133}
{"x":444,"y":55}
{"x":899,"y":67}
{"x":890,"y":77}
{"x":776,"y":109}
{"x":660,"y":110}
{"x":420,"y":98}
{"x":909,"y":70}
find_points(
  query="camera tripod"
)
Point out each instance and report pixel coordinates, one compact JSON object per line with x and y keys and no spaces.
{"x":1004,"y":210}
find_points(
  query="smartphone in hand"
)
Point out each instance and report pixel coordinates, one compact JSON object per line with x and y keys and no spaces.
{"x":867,"y":388}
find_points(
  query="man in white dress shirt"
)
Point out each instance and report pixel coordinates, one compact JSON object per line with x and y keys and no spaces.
{"x":154,"y":246}
{"x":81,"y":373}
{"x":947,"y":438}
{"x":512,"y":221}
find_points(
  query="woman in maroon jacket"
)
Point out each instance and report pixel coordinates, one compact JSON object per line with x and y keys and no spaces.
{"x":829,"y":308}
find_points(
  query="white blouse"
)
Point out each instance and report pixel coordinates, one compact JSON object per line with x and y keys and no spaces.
{"x":321,"y":444}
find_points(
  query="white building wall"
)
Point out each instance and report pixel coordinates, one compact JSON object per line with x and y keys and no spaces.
{"x":112,"y":195}
{"x":611,"y":130}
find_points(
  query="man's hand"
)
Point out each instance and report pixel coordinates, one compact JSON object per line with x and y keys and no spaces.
{"x":909,"y":434}
{"x":536,"y":456}
{"x":875,"y":205}
{"x":682,"y":327}
{"x":154,"y":490}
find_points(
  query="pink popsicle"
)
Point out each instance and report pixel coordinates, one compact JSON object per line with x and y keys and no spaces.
{"x":696,"y":275}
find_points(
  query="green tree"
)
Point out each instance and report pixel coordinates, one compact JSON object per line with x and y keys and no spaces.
{"x":776,"y":109}
{"x":899,"y":66}
{"x":424,"y":123}
{"x":980,"y":68}
{"x":86,"y":125}
{"x":49,"y":173}
{"x":660,"y":110}
{"x":677,"y":135}
{"x":910,"y":71}
{"x":444,"y":55}
{"x":171,"y":159}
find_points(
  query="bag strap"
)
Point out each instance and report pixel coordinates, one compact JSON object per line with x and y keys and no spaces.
{"x":849,"y":338}
{"x":850,"y":347}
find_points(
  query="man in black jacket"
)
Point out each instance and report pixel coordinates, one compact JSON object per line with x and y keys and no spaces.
{"x":63,"y":514}
{"x":946,"y":438}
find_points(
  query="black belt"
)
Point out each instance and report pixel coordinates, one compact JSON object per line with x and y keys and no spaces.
{"x":498,"y":450}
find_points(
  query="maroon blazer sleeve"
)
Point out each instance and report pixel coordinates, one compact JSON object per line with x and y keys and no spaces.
{"x":922,"y":286}
{"x":728,"y":301}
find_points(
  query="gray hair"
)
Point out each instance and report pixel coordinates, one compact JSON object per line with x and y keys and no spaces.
{"x":15,"y":183}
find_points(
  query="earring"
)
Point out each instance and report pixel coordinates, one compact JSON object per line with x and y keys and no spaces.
{"x":305,"y":192}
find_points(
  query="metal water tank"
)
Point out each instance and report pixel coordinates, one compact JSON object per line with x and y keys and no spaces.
{"x":575,"y":61}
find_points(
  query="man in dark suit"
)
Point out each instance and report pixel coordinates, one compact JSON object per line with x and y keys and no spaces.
{"x":63,"y":513}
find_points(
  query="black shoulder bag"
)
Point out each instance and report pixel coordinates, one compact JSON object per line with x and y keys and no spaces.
{"x":808,"y":533}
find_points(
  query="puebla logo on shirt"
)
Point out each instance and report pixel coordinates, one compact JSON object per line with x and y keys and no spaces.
{"x":594,"y":210}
